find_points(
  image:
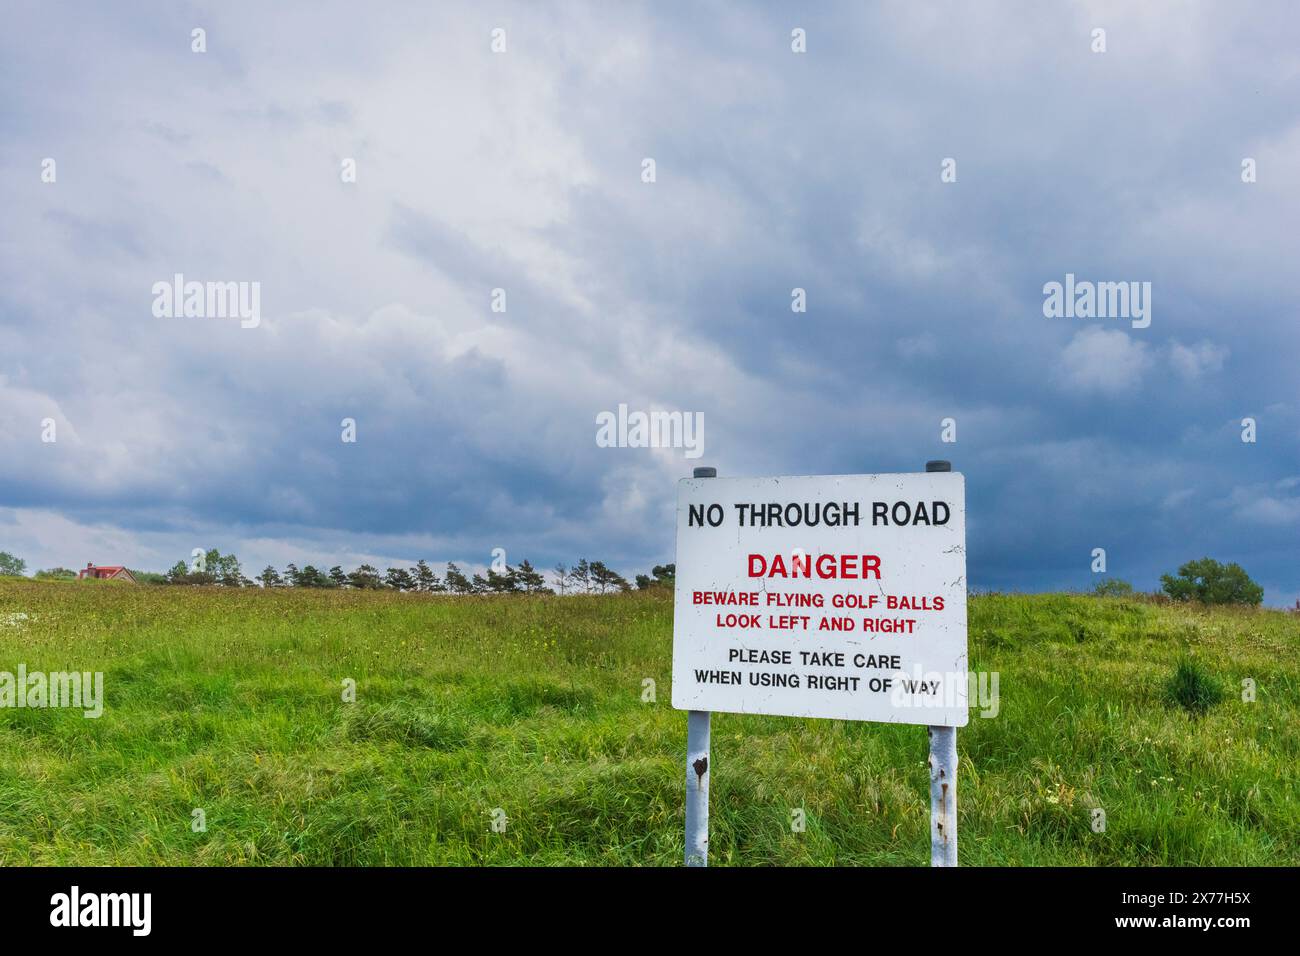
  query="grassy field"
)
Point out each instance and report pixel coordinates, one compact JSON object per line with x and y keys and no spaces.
{"x":231,"y":702}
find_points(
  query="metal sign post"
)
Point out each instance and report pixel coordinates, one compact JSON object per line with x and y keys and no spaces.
{"x":943,"y":774}
{"x":697,"y":769}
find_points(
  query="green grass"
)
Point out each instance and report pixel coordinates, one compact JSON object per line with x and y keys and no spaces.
{"x":231,"y":701}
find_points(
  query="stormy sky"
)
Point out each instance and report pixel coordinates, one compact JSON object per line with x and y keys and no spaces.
{"x":524,"y":170}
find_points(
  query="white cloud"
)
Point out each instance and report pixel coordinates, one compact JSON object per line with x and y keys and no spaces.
{"x":1265,"y":505}
{"x":1193,"y":361}
{"x":1105,"y":361}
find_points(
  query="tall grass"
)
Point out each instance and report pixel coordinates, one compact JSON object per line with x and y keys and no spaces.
{"x":232,"y":702}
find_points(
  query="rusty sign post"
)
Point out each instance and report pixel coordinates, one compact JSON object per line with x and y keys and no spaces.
{"x":833,"y":596}
{"x":697,"y":788}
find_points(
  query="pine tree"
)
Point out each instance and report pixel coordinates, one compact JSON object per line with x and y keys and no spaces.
{"x":530,"y":579}
{"x":456,"y":581}
{"x":501,"y":583}
{"x":225,"y":568}
{"x":310,"y":577}
{"x":229,"y":573}
{"x":581,"y":576}
{"x":424,"y":578}
{"x":606,"y":579}
{"x":366,"y":578}
{"x":399,"y":580}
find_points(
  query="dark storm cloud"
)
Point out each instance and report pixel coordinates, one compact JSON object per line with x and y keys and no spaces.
{"x":774,"y":171}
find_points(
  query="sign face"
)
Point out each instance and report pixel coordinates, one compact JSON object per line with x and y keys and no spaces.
{"x":841,"y":596}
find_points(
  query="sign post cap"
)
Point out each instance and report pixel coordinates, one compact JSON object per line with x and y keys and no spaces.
{"x":938,"y":466}
{"x":705,"y":472}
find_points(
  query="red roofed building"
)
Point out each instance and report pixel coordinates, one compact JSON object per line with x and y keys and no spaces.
{"x":108,"y":572}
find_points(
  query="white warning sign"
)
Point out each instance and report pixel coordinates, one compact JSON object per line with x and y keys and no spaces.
{"x":841,"y":596}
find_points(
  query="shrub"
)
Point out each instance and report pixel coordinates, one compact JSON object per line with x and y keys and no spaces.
{"x":1113,"y":587}
{"x":56,"y":574}
{"x":1210,"y":582}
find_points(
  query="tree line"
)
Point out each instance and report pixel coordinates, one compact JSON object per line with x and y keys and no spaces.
{"x":1205,"y":581}
{"x":585,"y":577}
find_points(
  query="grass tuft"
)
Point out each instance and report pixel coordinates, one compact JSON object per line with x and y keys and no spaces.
{"x":1193,"y":688}
{"x":406,"y":724}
